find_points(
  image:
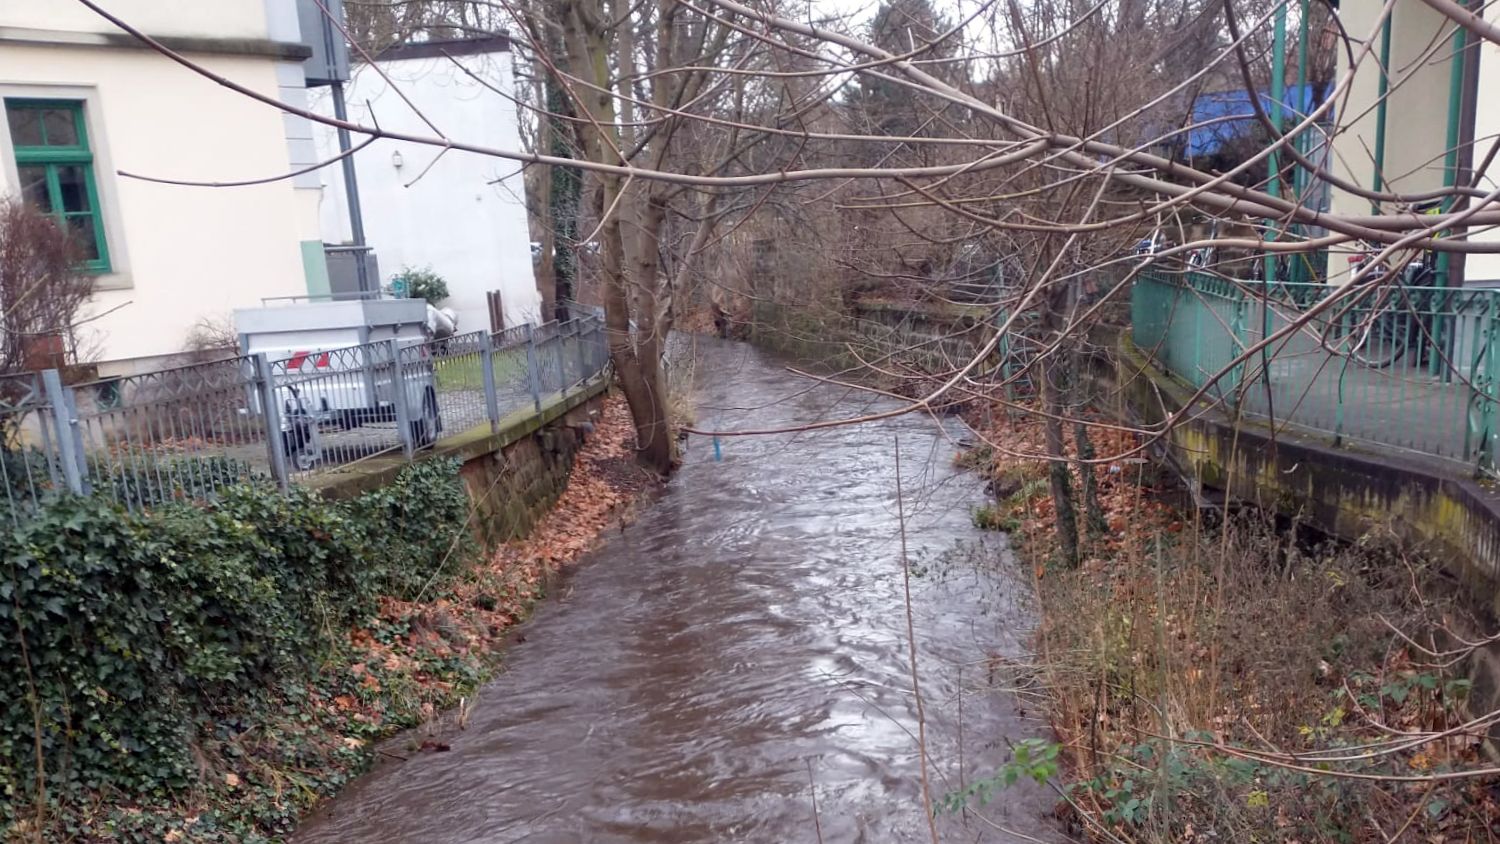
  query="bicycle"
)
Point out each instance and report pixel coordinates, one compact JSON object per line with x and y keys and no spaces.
{"x":1401,"y":319}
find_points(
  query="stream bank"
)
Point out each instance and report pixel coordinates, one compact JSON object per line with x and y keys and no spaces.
{"x":738,"y":655}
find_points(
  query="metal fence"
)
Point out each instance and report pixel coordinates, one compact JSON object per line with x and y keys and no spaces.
{"x":187,"y":432}
{"x":1386,"y":366}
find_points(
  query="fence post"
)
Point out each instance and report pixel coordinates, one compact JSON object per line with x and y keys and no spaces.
{"x":1486,"y":395}
{"x":562,"y":355}
{"x":1238,"y":331}
{"x":69,"y":438}
{"x":1200,"y":373}
{"x":265,"y":387}
{"x":533,"y":374}
{"x":600,"y":347}
{"x":491,"y":397}
{"x":398,"y":399}
{"x":583,"y":364}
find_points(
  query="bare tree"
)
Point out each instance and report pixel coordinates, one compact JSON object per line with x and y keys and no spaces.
{"x":1055,"y":126}
{"x":42,"y":289}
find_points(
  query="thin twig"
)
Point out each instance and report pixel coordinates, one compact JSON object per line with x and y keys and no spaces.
{"x":812,"y":789}
{"x":911,"y":642}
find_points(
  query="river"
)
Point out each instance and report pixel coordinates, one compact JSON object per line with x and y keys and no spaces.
{"x":741,"y":650}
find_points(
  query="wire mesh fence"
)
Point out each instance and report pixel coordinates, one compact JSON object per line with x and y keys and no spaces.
{"x":188,"y":432}
{"x":30,"y":464}
{"x":177,"y":433}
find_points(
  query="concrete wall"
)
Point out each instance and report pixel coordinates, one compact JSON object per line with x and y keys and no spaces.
{"x":178,"y":254}
{"x":466,"y":217}
{"x":513,"y":475}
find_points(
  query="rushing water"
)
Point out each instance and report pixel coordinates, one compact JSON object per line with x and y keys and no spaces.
{"x":742,"y":649}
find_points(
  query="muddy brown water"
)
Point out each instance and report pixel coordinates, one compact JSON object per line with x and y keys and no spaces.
{"x":742,"y":649}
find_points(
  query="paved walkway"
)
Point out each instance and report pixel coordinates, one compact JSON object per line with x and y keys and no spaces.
{"x":1404,"y":405}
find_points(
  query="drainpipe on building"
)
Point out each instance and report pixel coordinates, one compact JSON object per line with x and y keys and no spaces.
{"x":1278,"y":93}
{"x":1447,"y":274}
{"x":1458,"y":154}
{"x":1382,"y":92}
{"x":351,"y":192}
{"x":1301,"y":179}
{"x":1451,"y":137}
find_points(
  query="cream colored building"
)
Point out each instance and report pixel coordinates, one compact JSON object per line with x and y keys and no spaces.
{"x":1423,"y":90}
{"x":86,"y":104}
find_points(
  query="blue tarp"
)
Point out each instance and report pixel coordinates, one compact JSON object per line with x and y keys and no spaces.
{"x":1207,"y":140}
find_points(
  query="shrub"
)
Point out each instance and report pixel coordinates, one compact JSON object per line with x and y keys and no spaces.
{"x":42,"y":288}
{"x":423,"y":283}
{"x":132,"y":629}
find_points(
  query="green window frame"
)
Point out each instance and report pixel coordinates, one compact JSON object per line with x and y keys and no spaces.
{"x":50,"y":141}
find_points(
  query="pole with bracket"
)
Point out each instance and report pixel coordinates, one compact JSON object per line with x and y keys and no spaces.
{"x":265,"y":388}
{"x":69,"y":437}
{"x":398,"y":399}
{"x":1382,"y":91}
{"x":562,"y":355}
{"x":583,"y":364}
{"x":533,"y":374}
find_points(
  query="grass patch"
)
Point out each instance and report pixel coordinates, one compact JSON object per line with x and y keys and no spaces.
{"x":467,"y":372}
{"x":993,"y":517}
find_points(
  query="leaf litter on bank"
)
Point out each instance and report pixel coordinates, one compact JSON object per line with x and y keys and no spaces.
{"x":1241,"y":635}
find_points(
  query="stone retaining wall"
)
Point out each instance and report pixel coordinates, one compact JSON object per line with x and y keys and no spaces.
{"x":513,"y":474}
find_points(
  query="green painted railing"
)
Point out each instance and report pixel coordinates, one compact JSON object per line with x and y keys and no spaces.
{"x":1408,"y":368}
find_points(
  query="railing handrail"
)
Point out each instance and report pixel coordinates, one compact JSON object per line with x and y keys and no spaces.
{"x":187,"y":431}
{"x":1410,"y":367}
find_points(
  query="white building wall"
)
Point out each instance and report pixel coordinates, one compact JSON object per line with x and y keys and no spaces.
{"x":1416,"y":111}
{"x":178,"y":254}
{"x":1486,"y":132}
{"x":183,"y":18}
{"x":466,"y":216}
{"x":1416,"y":116}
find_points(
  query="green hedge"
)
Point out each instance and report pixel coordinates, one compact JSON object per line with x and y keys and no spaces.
{"x":123,"y":634}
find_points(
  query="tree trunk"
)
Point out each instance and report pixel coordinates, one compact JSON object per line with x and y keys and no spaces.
{"x":1058,"y":476}
{"x":637,"y":365}
{"x":546,"y":234}
{"x":564,"y":189}
{"x":654,"y":428}
{"x":586,"y":32}
{"x":1094,"y":522}
{"x":1054,"y":387}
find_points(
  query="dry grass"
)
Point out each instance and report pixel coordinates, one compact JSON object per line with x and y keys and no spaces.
{"x":1245,"y":636}
{"x":1177,"y":649}
{"x":682,"y":386}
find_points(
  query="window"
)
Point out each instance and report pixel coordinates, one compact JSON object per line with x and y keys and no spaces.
{"x":56,"y":168}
